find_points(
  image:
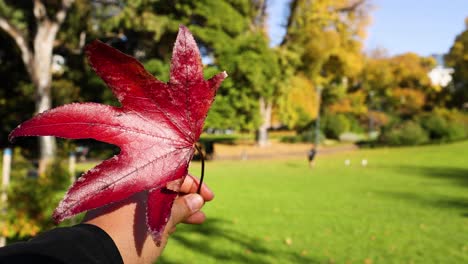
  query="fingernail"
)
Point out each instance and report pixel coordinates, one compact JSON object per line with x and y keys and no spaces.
{"x":194,"y":202}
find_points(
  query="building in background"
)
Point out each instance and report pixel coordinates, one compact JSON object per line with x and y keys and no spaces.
{"x":440,"y":75}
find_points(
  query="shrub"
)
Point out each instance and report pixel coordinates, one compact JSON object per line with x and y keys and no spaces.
{"x":307,"y":136}
{"x":456,"y":131}
{"x":335,"y":125}
{"x":444,"y":126}
{"x":458,"y":122}
{"x":32,"y":198}
{"x":406,"y":133}
{"x":436,"y":126}
{"x":356,"y":126}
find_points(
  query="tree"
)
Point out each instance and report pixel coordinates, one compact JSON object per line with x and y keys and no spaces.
{"x":297,"y":103}
{"x":400,"y":84}
{"x":327,"y":36}
{"x":265,"y":100}
{"x":353,"y":103}
{"x":34,"y":27}
{"x":255,"y":70}
{"x":457,"y":59}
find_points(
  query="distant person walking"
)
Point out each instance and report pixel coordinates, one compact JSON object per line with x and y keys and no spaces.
{"x":311,"y":157}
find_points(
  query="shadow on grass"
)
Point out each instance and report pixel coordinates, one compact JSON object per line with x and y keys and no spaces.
{"x":244,"y":249}
{"x":431,"y":200}
{"x":457,"y":176}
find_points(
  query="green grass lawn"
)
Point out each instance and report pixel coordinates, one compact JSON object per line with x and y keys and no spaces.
{"x":409,"y":205}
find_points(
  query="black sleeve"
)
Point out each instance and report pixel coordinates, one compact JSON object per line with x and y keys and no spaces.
{"x":77,"y":244}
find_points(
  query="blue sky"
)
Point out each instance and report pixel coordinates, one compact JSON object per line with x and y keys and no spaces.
{"x":277,"y":20}
{"x":421,"y":26}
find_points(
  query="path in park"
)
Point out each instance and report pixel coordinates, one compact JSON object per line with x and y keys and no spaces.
{"x":275,"y":151}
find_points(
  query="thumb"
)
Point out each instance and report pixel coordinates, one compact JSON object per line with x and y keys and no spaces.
{"x":185,"y":206}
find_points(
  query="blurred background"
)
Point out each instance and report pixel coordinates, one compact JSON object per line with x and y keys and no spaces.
{"x":378,"y":89}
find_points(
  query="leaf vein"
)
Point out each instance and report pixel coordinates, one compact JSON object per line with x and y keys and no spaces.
{"x":112,"y":126}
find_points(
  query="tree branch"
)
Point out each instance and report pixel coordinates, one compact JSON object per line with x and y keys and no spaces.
{"x":39,"y":10}
{"x":291,"y":16}
{"x":20,"y":40}
{"x":351,"y":7}
{"x":62,"y":13}
{"x":261,"y":16}
{"x":292,"y":9}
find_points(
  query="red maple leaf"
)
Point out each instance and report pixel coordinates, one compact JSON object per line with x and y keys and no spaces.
{"x":155,"y":128}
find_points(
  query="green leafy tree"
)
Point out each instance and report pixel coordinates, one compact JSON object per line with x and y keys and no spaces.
{"x":457,"y":59}
{"x":254,"y":68}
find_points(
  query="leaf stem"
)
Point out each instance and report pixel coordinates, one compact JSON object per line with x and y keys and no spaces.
{"x":202,"y":168}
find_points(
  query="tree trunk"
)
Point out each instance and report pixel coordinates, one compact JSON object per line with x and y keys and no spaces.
{"x":38,"y":61}
{"x":265,"y":114}
{"x":42,"y":79}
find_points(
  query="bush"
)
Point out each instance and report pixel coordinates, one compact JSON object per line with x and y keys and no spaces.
{"x":458,"y":123}
{"x":335,"y":125}
{"x":406,"y":133}
{"x":33,"y":198}
{"x":443,"y":127}
{"x":355,"y":126}
{"x":456,"y":131}
{"x":436,"y":126}
{"x":307,"y":136}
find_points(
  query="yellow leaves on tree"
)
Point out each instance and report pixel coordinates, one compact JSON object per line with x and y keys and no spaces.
{"x":353,"y":103}
{"x":401,"y":81}
{"x":406,"y":70}
{"x":411,"y":70}
{"x":408,"y":101}
{"x":379,"y":119}
{"x":328,"y":34}
{"x":21,"y":227}
{"x":298,"y":104}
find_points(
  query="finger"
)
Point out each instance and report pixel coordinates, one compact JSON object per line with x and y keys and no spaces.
{"x":190,"y":185}
{"x":185,"y":206}
{"x":196,"y":219}
{"x":172,"y":229}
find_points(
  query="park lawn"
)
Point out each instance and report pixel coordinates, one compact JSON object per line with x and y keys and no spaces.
{"x":409,"y":205}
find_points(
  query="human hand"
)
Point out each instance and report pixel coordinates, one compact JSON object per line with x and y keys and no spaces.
{"x":125,"y":221}
{"x":186,"y":208}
